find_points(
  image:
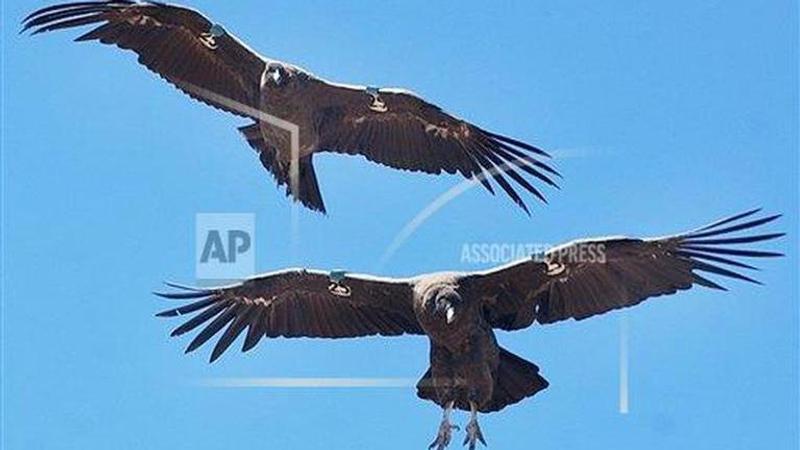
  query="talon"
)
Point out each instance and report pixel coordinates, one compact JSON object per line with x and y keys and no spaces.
{"x":474,"y":434}
{"x":445,"y":433}
{"x":444,"y":436}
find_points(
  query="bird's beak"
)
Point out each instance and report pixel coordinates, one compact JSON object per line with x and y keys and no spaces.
{"x":451,"y":314}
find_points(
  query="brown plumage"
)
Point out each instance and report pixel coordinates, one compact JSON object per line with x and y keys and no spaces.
{"x":392,"y":127}
{"x":459,"y":312}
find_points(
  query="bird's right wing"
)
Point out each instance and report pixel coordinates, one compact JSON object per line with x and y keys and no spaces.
{"x":593,"y":276}
{"x":177,"y":43}
{"x":296,"y":303}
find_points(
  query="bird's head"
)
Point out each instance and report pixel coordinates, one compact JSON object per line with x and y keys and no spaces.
{"x":444,"y":303}
{"x":278,"y":73}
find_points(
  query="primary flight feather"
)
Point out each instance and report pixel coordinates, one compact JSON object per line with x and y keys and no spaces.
{"x":392,"y":127}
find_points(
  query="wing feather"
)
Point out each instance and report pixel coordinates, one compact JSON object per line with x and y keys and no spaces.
{"x":294,"y":303}
{"x":413,"y":134}
{"x":562,"y":285}
{"x":169,"y":40}
{"x":255,"y":329}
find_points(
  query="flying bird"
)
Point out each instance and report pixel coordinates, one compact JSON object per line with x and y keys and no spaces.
{"x":294,"y":114}
{"x":459,"y":312}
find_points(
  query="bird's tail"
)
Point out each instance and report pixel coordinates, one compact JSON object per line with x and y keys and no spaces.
{"x":515,"y":380}
{"x":307,"y":189}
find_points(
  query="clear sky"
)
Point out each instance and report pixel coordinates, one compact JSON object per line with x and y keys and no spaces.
{"x":665,"y":116}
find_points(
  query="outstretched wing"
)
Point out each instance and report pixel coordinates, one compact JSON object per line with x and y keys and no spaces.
{"x":177,"y":43}
{"x":295,"y":303}
{"x":398,"y":129}
{"x":589,"y":277}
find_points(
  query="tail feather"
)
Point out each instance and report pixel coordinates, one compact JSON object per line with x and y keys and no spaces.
{"x":308,"y":190}
{"x":515,"y":380}
{"x":426,"y":389}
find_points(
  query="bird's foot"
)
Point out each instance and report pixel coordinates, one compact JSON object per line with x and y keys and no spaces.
{"x":474,"y":434}
{"x":444,"y":435}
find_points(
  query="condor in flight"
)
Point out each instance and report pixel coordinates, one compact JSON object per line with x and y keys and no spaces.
{"x":392,"y":127}
{"x":458,"y":312}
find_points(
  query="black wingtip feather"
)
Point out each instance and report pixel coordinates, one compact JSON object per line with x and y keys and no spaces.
{"x":485,"y":183}
{"x":707,"y":283}
{"x":548,"y":168}
{"x":503,"y":147}
{"x":715,"y":258}
{"x":527,"y":164}
{"x":214,"y":312}
{"x":500,"y":155}
{"x":63,"y":7}
{"x":69,"y":15}
{"x":180,"y":295}
{"x":500,"y":163}
{"x":737,"y":240}
{"x":213,"y":328}
{"x":733,"y":251}
{"x":188,"y":308}
{"x":732,"y":228}
{"x":252,"y":338}
{"x":57,"y":16}
{"x":185,"y":287}
{"x":487,"y":160}
{"x":509,"y":170}
{"x":66,"y":19}
{"x":706,"y":267}
{"x":730,"y":219}
{"x":204,"y":316}
{"x":518,"y":143}
{"x":241,"y":320}
{"x":707,"y":254}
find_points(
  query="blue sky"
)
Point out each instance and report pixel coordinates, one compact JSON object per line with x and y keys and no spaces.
{"x":667,"y":116}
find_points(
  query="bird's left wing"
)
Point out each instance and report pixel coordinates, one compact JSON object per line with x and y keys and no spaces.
{"x":296,"y":303}
{"x":179,"y":44}
{"x":589,"y":277}
{"x":398,"y":129}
